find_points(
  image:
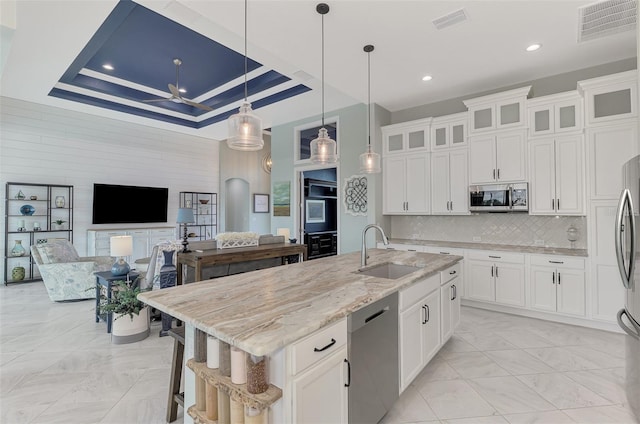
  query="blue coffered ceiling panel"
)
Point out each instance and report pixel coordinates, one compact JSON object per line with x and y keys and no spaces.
{"x":141,"y":45}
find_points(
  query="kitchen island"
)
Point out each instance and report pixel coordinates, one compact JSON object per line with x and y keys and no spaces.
{"x":265,"y":312}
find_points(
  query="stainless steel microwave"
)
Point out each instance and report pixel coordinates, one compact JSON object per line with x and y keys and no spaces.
{"x":499,"y":198}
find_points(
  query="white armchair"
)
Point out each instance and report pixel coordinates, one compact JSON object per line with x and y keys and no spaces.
{"x":66,"y":275}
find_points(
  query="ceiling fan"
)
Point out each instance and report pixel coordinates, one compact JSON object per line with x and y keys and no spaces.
{"x":176,"y":97}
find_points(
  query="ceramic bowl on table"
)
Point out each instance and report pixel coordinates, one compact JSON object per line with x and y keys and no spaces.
{"x":27,"y":210}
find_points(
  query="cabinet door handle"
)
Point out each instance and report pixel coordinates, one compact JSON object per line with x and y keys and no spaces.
{"x":427,"y":308}
{"x":424,"y":315}
{"x":553,"y":204}
{"x":348,"y":383}
{"x":497,"y":271}
{"x":454,"y":290}
{"x":558,"y":202}
{"x":498,"y":173}
{"x":558,"y":277}
{"x":331,"y":343}
{"x":492,"y":270}
{"x":494,"y":174}
{"x":451,"y":206}
{"x":553,"y":278}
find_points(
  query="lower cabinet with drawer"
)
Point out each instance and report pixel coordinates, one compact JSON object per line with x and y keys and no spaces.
{"x":558,"y":284}
{"x":496,"y":277}
{"x":319,"y":371}
{"x":99,"y":241}
{"x":419,"y":322}
{"x":450,"y":280}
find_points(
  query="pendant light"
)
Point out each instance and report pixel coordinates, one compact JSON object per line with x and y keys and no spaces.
{"x":369,"y":160}
{"x":245,"y":128}
{"x":323,"y":148}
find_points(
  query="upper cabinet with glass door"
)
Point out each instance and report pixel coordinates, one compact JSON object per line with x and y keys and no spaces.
{"x":558,"y":113}
{"x":610,"y":97}
{"x":406,"y":136}
{"x":498,"y":111}
{"x":449,"y":131}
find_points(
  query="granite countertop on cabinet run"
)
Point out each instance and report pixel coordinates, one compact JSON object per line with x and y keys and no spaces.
{"x":263,"y":311}
{"x":489,"y":246}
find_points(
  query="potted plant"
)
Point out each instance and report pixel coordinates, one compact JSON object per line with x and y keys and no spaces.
{"x":130,"y":315}
{"x":58,"y":223}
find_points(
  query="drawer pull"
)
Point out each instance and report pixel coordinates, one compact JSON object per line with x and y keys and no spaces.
{"x":452,"y":272}
{"x":412,"y":250}
{"x":444,"y":253}
{"x":556,"y":262}
{"x":331,"y":343}
{"x":495,"y":257}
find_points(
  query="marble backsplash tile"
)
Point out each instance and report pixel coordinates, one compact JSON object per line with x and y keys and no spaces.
{"x":500,"y":228}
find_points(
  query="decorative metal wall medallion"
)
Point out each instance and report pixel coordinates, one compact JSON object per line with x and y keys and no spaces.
{"x":355,"y":195}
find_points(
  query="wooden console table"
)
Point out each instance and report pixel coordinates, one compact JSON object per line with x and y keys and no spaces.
{"x":198,"y":260}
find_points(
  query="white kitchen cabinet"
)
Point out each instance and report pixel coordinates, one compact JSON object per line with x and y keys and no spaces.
{"x":318,"y":391}
{"x":609,"y":147}
{"x":496,"y":277}
{"x":499,"y":157}
{"x":558,"y":284}
{"x":555,"y":114}
{"x":406,"y":188}
{"x":419,"y":330}
{"x":497,"y":111}
{"x":406,"y":136}
{"x":449,"y":301}
{"x":557,"y":169}
{"x":610,"y":97}
{"x":450,"y":182}
{"x":449,"y":131}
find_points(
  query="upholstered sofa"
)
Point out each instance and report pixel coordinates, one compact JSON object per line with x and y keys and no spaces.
{"x":65,"y":274}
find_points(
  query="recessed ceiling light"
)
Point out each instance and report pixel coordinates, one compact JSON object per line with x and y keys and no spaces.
{"x":182,"y":90}
{"x":427,"y":78}
{"x":533,"y":47}
{"x":108,"y":67}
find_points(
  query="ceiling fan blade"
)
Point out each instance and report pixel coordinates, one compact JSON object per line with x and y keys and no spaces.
{"x":174,"y":91}
{"x":198,"y":105}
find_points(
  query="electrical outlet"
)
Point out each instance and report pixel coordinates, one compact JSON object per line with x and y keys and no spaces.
{"x":538,"y":242}
{"x":476,"y":238}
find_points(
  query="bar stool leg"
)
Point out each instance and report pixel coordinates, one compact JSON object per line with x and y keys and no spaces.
{"x":174,"y":384}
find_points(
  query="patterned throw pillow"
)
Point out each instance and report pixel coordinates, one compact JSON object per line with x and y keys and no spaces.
{"x":54,"y":252}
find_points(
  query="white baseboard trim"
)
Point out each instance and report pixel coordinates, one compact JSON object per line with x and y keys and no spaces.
{"x":582,"y":322}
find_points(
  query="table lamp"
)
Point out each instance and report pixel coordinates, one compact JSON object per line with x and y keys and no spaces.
{"x":185,"y":216}
{"x":121,"y":246}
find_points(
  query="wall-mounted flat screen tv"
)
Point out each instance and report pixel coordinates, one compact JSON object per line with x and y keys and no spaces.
{"x":119,"y":204}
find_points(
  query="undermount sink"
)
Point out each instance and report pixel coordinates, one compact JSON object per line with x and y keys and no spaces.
{"x":389,"y":271}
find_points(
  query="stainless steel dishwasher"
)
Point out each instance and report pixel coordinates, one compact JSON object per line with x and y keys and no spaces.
{"x":373,"y":359}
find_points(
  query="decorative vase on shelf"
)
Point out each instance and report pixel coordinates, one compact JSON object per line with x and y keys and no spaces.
{"x":18,"y":250}
{"x":20,"y":195}
{"x":60,"y":202}
{"x":18,"y":273}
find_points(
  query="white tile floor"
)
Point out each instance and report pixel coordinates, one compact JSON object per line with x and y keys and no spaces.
{"x":58,"y":366}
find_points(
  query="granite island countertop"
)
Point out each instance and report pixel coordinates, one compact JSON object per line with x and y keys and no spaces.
{"x":263,"y":311}
{"x":541,"y":250}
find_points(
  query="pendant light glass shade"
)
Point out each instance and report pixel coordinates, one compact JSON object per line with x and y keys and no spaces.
{"x":323,"y":149}
{"x":369,"y":160}
{"x":245,"y":130}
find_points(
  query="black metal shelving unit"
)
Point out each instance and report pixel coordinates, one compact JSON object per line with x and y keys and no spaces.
{"x":205,"y":212}
{"x":42,"y":197}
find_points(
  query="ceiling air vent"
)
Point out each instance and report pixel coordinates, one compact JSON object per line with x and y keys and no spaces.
{"x":605,"y":18}
{"x":450,"y":19}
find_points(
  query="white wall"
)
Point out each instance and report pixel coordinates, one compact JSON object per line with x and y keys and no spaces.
{"x":43,"y":144}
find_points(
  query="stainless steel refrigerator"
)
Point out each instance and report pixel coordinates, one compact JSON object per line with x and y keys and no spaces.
{"x":627,"y":242}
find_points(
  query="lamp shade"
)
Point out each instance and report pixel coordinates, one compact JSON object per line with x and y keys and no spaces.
{"x":121,"y":246}
{"x":370,"y":162}
{"x":245,"y":130}
{"x":323,"y":148}
{"x":185,"y":216}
